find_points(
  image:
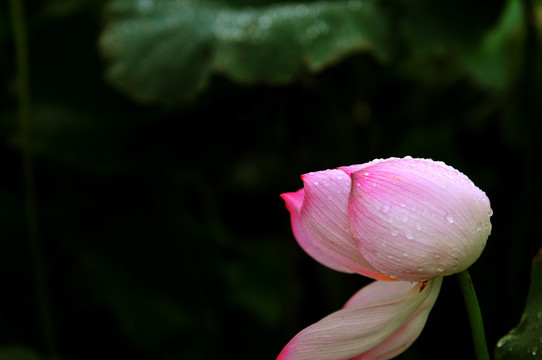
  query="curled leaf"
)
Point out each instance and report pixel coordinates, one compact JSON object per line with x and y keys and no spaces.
{"x":525,"y":340}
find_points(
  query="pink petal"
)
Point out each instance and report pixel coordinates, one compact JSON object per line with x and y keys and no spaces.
{"x":325,"y":220}
{"x":414,"y":219}
{"x":374,"y":315}
{"x":293,"y":204}
{"x":408,"y":332}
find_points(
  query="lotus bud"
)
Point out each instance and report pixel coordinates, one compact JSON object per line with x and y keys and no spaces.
{"x":406,"y":219}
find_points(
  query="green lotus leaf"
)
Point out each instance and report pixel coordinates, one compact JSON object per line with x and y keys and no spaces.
{"x":525,"y":340}
{"x":166,"y":50}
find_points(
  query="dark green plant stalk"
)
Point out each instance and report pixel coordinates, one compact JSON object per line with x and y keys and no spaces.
{"x":25,"y":130}
{"x":474,"y":314}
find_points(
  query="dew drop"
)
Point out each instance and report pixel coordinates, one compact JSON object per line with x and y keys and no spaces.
{"x":316,"y":183}
{"x":243,"y":20}
{"x":404,"y":218}
{"x":418,"y":227}
{"x":386,"y":208}
{"x":405,"y":254}
{"x":145,"y":6}
{"x":440,"y":268}
{"x":392,"y":274}
{"x":408,"y":234}
{"x":534,"y":350}
{"x":450,"y":218}
{"x":301,"y":10}
{"x":394,"y":232}
{"x":420,"y":269}
{"x":265,"y":21}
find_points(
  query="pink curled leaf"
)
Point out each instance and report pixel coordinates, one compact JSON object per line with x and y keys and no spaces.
{"x":383,"y":318}
{"x":408,"y":332}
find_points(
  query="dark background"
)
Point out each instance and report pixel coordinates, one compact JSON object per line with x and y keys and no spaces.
{"x":161,"y":229}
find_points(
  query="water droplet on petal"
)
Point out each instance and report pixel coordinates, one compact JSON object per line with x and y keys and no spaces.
{"x":392,"y":274}
{"x":394,"y":232}
{"x":450,"y":218}
{"x":315,"y":183}
{"x":440,"y":268}
{"x":408,"y":234}
{"x":386,"y":208}
{"x":405,"y":253}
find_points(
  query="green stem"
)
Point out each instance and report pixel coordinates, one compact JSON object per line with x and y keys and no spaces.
{"x":25,"y":130}
{"x":474,"y":314}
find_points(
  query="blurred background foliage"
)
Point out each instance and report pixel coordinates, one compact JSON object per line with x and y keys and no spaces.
{"x":163,"y":132}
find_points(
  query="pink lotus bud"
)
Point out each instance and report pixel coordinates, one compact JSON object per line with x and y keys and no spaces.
{"x":407,"y":219}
